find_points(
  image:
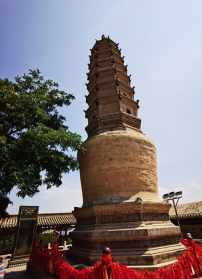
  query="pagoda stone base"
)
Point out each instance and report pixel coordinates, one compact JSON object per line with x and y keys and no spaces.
{"x":140,"y":235}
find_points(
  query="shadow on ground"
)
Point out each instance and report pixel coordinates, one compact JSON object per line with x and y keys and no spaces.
{"x":27,"y":275}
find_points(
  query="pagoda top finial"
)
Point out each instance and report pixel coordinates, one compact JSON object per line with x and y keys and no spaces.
{"x":107,"y":39}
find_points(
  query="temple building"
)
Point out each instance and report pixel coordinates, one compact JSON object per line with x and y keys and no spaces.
{"x":121,"y":207}
{"x":61,"y":222}
{"x":190,"y":217}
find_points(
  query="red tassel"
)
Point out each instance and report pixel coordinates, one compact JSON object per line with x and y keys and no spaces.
{"x":190,"y":261}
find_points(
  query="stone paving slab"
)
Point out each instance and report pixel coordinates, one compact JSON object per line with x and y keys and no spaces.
{"x":20,"y":272}
{"x":26,"y":275}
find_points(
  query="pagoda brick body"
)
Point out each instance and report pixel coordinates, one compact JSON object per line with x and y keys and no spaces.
{"x":121,"y":208}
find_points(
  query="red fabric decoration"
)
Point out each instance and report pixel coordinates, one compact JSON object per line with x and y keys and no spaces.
{"x":188,"y":264}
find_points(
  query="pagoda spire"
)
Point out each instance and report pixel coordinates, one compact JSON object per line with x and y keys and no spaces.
{"x":111,"y":96}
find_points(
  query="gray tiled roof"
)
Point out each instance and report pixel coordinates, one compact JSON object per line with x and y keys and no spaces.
{"x":46,"y":219}
{"x":188,"y":210}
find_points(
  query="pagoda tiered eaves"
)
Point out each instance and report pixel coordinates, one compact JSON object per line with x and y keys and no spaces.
{"x":111,"y":97}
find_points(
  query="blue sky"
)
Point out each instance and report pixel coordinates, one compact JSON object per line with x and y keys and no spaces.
{"x":162,"y":45}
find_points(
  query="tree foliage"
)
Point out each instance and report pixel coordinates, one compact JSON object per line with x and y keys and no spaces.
{"x":36,"y":146}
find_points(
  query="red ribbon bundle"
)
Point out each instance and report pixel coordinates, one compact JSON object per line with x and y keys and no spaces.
{"x":189,"y":263}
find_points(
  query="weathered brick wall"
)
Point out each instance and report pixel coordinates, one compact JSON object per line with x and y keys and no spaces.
{"x":116,"y":166}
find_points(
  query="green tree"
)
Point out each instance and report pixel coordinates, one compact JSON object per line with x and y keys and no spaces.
{"x":36,"y":146}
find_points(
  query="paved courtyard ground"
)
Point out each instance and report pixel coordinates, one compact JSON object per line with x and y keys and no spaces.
{"x":19,"y":272}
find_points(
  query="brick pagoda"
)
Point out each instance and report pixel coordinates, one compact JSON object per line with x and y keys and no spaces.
{"x":121,"y":208}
